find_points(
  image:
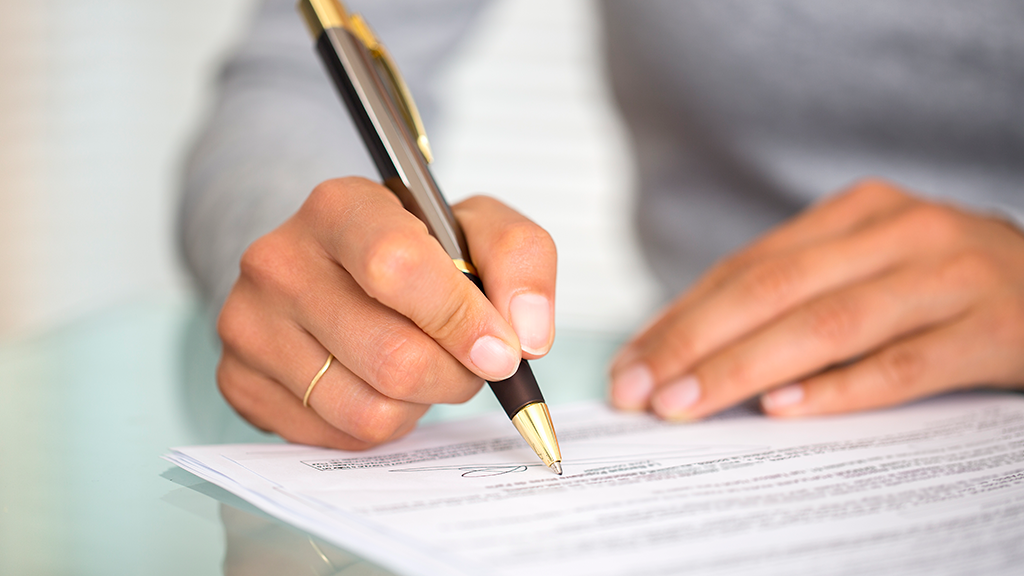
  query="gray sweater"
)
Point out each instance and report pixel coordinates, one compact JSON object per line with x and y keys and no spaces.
{"x":741,"y":114}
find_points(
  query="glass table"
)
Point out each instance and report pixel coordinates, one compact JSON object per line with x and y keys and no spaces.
{"x":87,"y":410}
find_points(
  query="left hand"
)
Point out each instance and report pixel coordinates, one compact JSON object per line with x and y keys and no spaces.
{"x":869,"y":299}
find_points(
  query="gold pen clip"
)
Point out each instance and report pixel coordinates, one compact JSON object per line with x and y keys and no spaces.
{"x":399,"y":90}
{"x":323,"y":14}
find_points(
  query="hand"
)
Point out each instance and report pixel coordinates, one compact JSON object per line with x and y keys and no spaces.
{"x":869,"y":299}
{"x":355,"y":275}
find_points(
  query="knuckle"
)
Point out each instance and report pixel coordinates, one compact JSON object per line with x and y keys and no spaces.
{"x":875,"y":190}
{"x":936,"y":224}
{"x":378,"y":422}
{"x":257,"y":259}
{"x":476,"y":202}
{"x":226,"y":381}
{"x":525,"y":238}
{"x":268,"y":263}
{"x":774,"y":282}
{"x":328,"y":193}
{"x":900,"y":369}
{"x":350,"y":184}
{"x":340,"y":199}
{"x":390,"y":261}
{"x":969,"y":267}
{"x":233,"y":325}
{"x":321,"y":197}
{"x":834,"y":320}
{"x":237,"y":393}
{"x":450,"y":320}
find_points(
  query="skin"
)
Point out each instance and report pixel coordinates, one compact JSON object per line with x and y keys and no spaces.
{"x":353,"y":274}
{"x":871,"y":298}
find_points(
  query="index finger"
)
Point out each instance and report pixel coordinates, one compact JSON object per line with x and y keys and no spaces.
{"x":854,"y":208}
{"x":517,"y":263}
{"x":859,"y":206}
{"x":363,"y":227}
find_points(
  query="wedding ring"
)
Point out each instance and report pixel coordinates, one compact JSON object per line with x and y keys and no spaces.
{"x":305,"y":399}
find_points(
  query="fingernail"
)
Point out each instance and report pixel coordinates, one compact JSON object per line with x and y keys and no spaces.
{"x":673,"y":400}
{"x":632,"y":387}
{"x":782,"y":397}
{"x":494,"y":358}
{"x":531,"y":319}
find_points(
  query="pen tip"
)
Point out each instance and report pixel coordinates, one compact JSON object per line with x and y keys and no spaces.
{"x":556,"y":467}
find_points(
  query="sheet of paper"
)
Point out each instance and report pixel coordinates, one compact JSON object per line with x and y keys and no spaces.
{"x":932,"y":488}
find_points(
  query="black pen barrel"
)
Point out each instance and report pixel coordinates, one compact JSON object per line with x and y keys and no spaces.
{"x":369,"y":83}
{"x":360,"y":117}
{"x":521,"y":389}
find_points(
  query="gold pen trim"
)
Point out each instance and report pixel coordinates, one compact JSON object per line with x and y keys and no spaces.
{"x":361,"y":30}
{"x":533,"y":422}
{"x":465,"y":266}
{"x":402,"y":96}
{"x":323,"y":14}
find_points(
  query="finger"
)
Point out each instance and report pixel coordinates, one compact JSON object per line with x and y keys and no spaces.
{"x":269,"y":406}
{"x":852,"y":209}
{"x":285,"y":354}
{"x":751,"y":299}
{"x":388,"y":252}
{"x":925,"y":364}
{"x":831,"y":329}
{"x":768,"y":289}
{"x":858,"y":207}
{"x":327,"y":309}
{"x":385,"y":349}
{"x":340,"y":401}
{"x":517,"y":262}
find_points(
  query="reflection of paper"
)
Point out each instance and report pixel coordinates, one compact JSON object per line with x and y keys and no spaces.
{"x":933,"y":488}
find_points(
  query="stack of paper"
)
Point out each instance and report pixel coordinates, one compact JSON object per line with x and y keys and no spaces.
{"x":937,"y":487}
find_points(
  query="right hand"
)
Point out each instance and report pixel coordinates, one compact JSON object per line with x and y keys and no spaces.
{"x":354,"y":274}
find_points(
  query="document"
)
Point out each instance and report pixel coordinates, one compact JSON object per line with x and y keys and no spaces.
{"x":932,"y":488}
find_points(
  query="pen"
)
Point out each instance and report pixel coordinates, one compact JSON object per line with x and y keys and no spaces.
{"x":385,"y":115}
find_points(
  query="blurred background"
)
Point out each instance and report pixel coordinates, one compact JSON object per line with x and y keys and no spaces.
{"x":99,"y":99}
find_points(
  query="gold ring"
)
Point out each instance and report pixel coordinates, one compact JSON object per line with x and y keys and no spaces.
{"x":305,"y":399}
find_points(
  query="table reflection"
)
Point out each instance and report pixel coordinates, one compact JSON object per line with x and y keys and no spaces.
{"x":258,"y":546}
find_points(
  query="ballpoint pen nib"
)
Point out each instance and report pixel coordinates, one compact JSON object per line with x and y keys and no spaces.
{"x":556,"y":467}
